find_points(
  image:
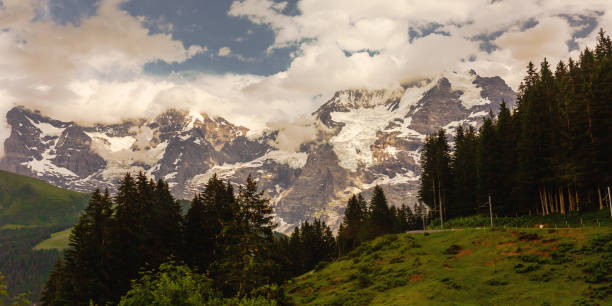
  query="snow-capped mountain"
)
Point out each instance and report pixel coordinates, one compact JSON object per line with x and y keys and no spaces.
{"x":364,"y":138}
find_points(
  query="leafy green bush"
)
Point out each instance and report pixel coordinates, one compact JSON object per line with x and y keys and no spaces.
{"x":174,"y":284}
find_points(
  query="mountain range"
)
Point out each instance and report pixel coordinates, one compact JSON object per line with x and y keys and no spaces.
{"x":361,"y":138}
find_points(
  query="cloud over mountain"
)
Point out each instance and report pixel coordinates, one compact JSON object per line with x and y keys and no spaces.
{"x":95,"y":69}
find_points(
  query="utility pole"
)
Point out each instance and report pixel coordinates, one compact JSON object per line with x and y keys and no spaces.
{"x":491,"y":211}
{"x":610,"y":201}
{"x":441,"y":221}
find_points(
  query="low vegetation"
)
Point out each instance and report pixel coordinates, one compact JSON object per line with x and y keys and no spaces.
{"x":518,"y":267}
{"x":596,"y":218}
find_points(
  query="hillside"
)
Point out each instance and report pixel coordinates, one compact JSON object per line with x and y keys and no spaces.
{"x":480,"y":267}
{"x":26,"y":201}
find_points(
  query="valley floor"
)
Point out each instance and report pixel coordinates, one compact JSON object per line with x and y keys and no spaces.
{"x":523,"y":266}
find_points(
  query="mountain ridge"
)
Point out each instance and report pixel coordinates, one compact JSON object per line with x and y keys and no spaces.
{"x":363,"y":138}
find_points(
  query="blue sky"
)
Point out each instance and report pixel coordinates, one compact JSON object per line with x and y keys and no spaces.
{"x":198,"y":22}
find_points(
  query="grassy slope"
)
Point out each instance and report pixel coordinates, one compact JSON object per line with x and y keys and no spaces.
{"x":58,"y":241}
{"x":28,"y":201}
{"x":491,"y":267}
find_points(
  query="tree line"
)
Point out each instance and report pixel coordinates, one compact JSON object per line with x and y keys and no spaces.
{"x":549,"y":154}
{"x":227,"y":237}
{"x":365,"y":221}
{"x":224,"y":235}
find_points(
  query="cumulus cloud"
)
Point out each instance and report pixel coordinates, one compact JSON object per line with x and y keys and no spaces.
{"x":40,"y":61}
{"x":224,"y":51}
{"x":326,"y":31}
{"x":94,"y":71}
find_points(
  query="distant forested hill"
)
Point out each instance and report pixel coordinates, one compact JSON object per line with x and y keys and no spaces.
{"x":30,"y":211}
{"x":29,"y":201}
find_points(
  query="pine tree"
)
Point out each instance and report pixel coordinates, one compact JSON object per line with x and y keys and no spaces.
{"x":381,"y":219}
{"x":350,"y":232}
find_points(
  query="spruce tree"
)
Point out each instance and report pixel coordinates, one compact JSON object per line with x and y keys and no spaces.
{"x":381,"y":219}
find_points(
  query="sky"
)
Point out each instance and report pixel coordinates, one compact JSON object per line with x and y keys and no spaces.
{"x":263,"y":63}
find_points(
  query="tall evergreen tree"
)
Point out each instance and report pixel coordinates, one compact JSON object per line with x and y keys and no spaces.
{"x":381,"y":218}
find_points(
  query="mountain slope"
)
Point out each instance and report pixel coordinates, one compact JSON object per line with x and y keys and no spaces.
{"x":28,"y":201}
{"x":360,"y":138}
{"x":472,"y":267}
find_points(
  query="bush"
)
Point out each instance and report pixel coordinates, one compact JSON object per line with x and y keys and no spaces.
{"x":528,"y":237}
{"x":450,"y":283}
{"x":533,"y":259}
{"x":396,"y":260}
{"x":321,"y":265}
{"x":354,"y":298}
{"x":600,"y":271}
{"x":495,"y":282}
{"x":453,"y":250}
{"x":363,"y":280}
{"x":173,"y":284}
{"x":520,"y":268}
{"x":542,"y":277}
{"x":272,"y":293}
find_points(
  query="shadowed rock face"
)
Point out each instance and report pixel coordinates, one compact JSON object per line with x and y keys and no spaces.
{"x":379,"y":131}
{"x":440,"y":104}
{"x":73,"y":153}
{"x":320,"y":181}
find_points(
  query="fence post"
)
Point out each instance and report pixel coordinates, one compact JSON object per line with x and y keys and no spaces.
{"x":491,"y":211}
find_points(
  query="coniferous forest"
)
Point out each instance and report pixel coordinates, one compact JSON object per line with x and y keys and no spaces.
{"x":551,"y":153}
{"x":226,"y":236}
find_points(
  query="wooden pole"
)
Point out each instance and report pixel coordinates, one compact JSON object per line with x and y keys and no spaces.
{"x":610,"y":200}
{"x":491,"y":211}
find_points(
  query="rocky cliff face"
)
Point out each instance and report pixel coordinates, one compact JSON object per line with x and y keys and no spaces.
{"x":364,"y":138}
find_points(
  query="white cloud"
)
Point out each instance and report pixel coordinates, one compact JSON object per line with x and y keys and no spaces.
{"x":95,"y":69}
{"x":224,"y":51}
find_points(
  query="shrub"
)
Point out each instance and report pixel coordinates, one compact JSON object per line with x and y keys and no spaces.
{"x":396,"y":260}
{"x":598,"y":292}
{"x":495,"y":282}
{"x":542,"y":277}
{"x":600,"y":271}
{"x":453,"y":250}
{"x":528,"y":237}
{"x":363,"y":280}
{"x":353,"y":298}
{"x":533,"y":259}
{"x":450,"y":283}
{"x":321,"y":265}
{"x":520,"y":268}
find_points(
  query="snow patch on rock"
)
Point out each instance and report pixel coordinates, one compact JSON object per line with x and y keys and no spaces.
{"x":352,"y":144}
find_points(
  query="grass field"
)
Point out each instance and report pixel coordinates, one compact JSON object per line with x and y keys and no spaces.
{"x":27,"y":201}
{"x":468,"y":267}
{"x":58,"y":241}
{"x":594,"y":218}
